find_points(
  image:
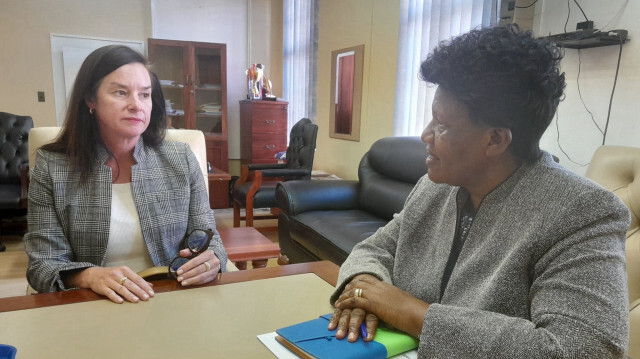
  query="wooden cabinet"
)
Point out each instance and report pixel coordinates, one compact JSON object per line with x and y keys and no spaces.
{"x":263,"y":130}
{"x":219,"y":188}
{"x":193,"y":76}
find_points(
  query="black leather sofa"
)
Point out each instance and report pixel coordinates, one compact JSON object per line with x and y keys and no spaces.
{"x":324,"y":220}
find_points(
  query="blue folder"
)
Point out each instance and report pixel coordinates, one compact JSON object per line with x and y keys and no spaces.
{"x":7,"y":351}
{"x":314,"y":338}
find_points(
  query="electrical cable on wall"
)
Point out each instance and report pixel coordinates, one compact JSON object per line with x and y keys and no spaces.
{"x":568,"y":15}
{"x":580,"y":7}
{"x":528,"y":6}
{"x":560,"y":146}
{"x":613,"y":90}
{"x":580,"y":94}
{"x":615,"y":81}
{"x":558,"y":134}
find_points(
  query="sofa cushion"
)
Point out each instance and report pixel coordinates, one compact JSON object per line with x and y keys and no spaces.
{"x":264,"y":198}
{"x":345,"y":229}
{"x":388,"y":173}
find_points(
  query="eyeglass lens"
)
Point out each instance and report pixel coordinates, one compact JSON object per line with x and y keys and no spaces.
{"x":175,"y":264}
{"x":197,"y":240}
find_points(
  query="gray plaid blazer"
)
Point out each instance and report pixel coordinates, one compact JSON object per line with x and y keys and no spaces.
{"x":69,"y":220}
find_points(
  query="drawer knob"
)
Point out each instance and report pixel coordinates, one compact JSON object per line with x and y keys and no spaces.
{"x":269,"y":146}
{"x":270,"y":122}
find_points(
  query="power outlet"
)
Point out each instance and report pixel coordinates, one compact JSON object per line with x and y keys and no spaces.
{"x":585,"y":25}
{"x":40,"y":96}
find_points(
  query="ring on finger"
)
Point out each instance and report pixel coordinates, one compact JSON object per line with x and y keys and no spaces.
{"x":122,"y":280}
{"x":358,"y":293}
{"x":206,"y":264}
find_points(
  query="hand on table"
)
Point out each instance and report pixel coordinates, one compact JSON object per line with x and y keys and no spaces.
{"x":350,"y":320}
{"x":195,"y":271}
{"x":116,"y":283}
{"x":376,"y":299}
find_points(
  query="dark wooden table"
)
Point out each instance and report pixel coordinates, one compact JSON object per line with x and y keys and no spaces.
{"x":248,"y":244}
{"x":326,"y":270}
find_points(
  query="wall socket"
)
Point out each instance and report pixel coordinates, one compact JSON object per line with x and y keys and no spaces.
{"x":585,"y":25}
{"x":40,"y":96}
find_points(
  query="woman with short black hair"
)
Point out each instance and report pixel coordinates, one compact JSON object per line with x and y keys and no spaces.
{"x":499,"y":252}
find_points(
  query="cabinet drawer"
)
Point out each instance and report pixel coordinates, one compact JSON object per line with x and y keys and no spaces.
{"x":265,"y":146}
{"x":269,"y":123}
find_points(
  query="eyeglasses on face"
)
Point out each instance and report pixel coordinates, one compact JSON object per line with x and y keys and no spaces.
{"x":197,"y":241}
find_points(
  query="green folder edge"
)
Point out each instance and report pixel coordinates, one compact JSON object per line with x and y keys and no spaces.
{"x":396,"y":342}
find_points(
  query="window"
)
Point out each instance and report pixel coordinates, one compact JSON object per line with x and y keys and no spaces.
{"x":424,"y":24}
{"x":300,"y":59}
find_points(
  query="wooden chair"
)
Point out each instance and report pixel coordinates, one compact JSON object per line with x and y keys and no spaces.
{"x":256,"y":187}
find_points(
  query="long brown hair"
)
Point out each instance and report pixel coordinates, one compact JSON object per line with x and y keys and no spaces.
{"x":80,"y":137}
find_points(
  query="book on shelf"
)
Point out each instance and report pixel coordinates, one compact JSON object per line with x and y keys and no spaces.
{"x":210,"y":108}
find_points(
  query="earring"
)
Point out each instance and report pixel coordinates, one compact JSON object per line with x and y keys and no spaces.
{"x":92,"y":111}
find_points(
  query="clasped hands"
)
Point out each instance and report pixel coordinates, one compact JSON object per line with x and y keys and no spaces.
{"x":366,"y":299}
{"x":121,"y":283}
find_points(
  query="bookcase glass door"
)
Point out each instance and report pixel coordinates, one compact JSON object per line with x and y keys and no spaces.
{"x":194,"y":82}
{"x":208,"y":90}
{"x":168,"y":64}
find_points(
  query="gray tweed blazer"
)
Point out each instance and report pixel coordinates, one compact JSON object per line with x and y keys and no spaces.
{"x":69,"y":220}
{"x":541,"y":274}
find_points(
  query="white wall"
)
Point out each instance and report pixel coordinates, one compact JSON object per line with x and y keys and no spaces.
{"x":579,"y":137}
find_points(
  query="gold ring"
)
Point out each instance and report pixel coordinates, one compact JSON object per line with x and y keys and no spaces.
{"x":358,"y":292}
{"x":206,"y":264}
{"x":122,"y":280}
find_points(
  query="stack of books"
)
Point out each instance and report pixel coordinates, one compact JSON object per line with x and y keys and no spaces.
{"x":210,"y":108}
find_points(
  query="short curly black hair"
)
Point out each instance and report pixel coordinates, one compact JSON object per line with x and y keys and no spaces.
{"x":505,"y":77}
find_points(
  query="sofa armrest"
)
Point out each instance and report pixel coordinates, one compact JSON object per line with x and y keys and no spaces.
{"x":295,"y":197}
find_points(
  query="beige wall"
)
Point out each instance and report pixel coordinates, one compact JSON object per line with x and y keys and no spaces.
{"x":347,"y":23}
{"x":25,"y":46}
{"x":25,"y":57}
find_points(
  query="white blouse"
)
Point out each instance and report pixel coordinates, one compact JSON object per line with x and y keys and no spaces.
{"x":126,"y":247}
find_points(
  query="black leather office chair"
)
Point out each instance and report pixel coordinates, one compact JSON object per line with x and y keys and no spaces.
{"x":252,"y":191}
{"x":14,"y":165}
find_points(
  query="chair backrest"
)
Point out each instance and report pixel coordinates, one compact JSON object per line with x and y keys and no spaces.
{"x":14,"y":139}
{"x":616,"y":168}
{"x":194,"y":138}
{"x":392,"y":166}
{"x":302,"y":144}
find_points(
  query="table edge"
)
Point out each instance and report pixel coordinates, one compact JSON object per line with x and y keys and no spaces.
{"x":328,"y":271}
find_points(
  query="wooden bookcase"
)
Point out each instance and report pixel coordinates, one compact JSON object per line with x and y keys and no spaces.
{"x":193,"y":76}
